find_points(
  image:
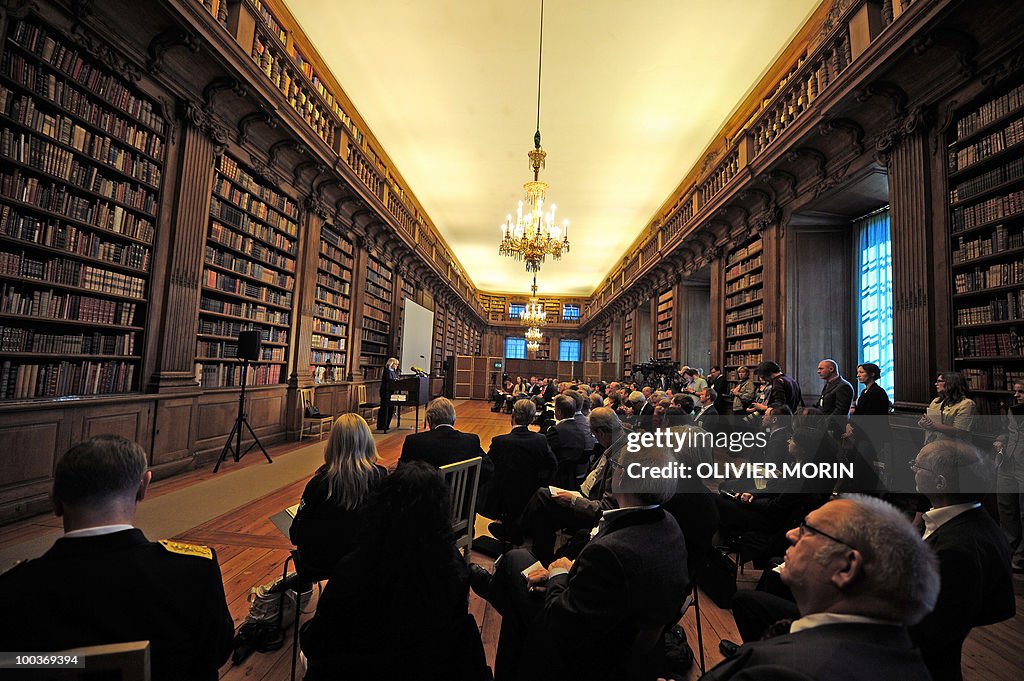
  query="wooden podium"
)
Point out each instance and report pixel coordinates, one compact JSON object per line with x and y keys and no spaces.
{"x":409,"y":391}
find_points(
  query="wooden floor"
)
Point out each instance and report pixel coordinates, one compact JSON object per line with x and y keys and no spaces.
{"x":251,"y":552}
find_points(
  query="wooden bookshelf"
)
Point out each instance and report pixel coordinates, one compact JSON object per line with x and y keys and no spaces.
{"x":986,"y":199}
{"x":248,"y":277}
{"x":376,"y":329}
{"x":81,"y":162}
{"x":627,"y":343}
{"x":744,"y":306}
{"x":328,"y":360}
{"x":439,"y":340}
{"x":664,"y":326}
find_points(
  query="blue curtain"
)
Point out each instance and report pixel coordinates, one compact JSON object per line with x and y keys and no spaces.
{"x":875,"y":300}
{"x":569,"y":351}
{"x":515,"y":348}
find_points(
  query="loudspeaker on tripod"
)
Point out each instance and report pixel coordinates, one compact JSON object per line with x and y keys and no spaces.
{"x":249,"y":343}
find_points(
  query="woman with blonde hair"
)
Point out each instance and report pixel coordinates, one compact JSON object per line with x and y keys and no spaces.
{"x":324,"y":529}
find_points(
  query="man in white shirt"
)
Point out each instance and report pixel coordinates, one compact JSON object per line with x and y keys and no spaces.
{"x":860,"y":575}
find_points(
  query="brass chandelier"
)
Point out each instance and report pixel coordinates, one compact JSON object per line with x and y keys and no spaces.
{"x":534,"y":314}
{"x":534,"y":235}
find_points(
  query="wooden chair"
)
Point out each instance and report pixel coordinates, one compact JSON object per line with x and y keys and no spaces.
{"x":363,"y":406}
{"x":463,"y":480}
{"x":306,"y":397}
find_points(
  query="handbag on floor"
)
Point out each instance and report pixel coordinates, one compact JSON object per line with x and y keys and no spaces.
{"x":265,"y":624}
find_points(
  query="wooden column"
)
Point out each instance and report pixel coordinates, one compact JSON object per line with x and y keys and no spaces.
{"x":716,"y":311}
{"x":913,"y":266}
{"x":184,"y":241}
{"x":315,"y":214}
{"x":355,"y":327}
{"x":398,"y":274}
{"x":773,"y":244}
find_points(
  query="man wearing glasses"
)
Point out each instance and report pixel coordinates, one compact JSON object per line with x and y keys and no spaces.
{"x":860,"y":575}
{"x":974,"y":558}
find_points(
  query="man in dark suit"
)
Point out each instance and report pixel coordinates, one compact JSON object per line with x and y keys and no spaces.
{"x":550,"y":390}
{"x":782,"y":390}
{"x":581,"y":416}
{"x":643,"y":411}
{"x":718,"y":381}
{"x":581,"y":619}
{"x":974,"y":557}
{"x":860,"y":575}
{"x":104,"y":582}
{"x":388,"y":378}
{"x":523,"y":461}
{"x":707,"y":417}
{"x":442,"y":444}
{"x":569,"y":442}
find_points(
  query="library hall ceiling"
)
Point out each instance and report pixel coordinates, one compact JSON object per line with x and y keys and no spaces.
{"x":633,"y":92}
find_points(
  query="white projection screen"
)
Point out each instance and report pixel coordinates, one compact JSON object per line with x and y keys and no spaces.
{"x":417,"y":332}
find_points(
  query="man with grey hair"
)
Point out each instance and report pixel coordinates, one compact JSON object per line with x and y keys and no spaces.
{"x":442,"y":444}
{"x":860,"y":575}
{"x":643,"y":411}
{"x":523,"y":461}
{"x":103,"y":582}
{"x":578,"y":618}
{"x":974,"y":556}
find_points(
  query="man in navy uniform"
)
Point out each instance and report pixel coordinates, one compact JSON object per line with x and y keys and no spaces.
{"x":104,"y":582}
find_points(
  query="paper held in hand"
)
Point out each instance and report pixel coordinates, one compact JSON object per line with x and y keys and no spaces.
{"x":556,"y":490}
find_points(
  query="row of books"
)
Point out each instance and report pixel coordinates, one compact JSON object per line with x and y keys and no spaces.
{"x":249,"y":268}
{"x":745,"y":328}
{"x":36,"y":153}
{"x":231,"y":329}
{"x":377,"y":267}
{"x":330,"y":297}
{"x":230,"y":169}
{"x":996,"y":378}
{"x":328,"y":357}
{"x":238,"y":211}
{"x":57,"y":51}
{"x":66,"y":131}
{"x":334,"y":269}
{"x":268,"y":19}
{"x":375,"y":337}
{"x":379,"y":292}
{"x":329,"y":374}
{"x":19,"y":299}
{"x":332,"y":238}
{"x":226,"y":236}
{"x":743,"y":268}
{"x":71,"y":239}
{"x":55,"y":198}
{"x":749,"y":359}
{"x":980,"y":278}
{"x":988,"y":145}
{"x":16,"y":339}
{"x":990,"y":344}
{"x":1010,"y":171}
{"x":991,"y":110}
{"x":228,"y":284}
{"x":377,"y":325}
{"x":746,"y":281}
{"x":229,"y":375}
{"x":327,"y":342}
{"x":19,"y":380}
{"x":71,"y":273}
{"x":235,"y":218}
{"x":748,"y":344}
{"x":246,"y":201}
{"x":229,"y":350}
{"x":1001,"y":239}
{"x":1003,"y":307}
{"x":747,"y":251}
{"x":331,"y":327}
{"x":966,"y":217}
{"x":742,"y":297}
{"x":335,"y":284}
{"x":249,"y":311}
{"x":329,"y":313}
{"x":380,"y":278}
{"x":745,"y":313}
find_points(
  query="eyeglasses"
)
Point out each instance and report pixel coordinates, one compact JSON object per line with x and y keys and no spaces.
{"x":915,"y":466}
{"x":806,"y":527}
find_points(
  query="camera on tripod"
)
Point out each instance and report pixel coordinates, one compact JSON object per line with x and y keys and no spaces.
{"x":655,"y":373}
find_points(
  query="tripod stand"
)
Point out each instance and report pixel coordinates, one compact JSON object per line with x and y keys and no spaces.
{"x":236,"y":430}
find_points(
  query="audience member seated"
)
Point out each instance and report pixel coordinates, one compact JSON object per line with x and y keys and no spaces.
{"x":761,"y":517}
{"x":582,"y":418}
{"x":974,"y":557}
{"x":104,"y":582}
{"x":586,"y":619}
{"x":642,"y":411}
{"x":569,"y":442}
{"x":397,"y":606}
{"x":324,"y":528}
{"x":546,"y":513}
{"x":693,"y":505}
{"x":707,"y":417}
{"x":442,"y":444}
{"x":860,"y":575}
{"x":523,"y":462}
